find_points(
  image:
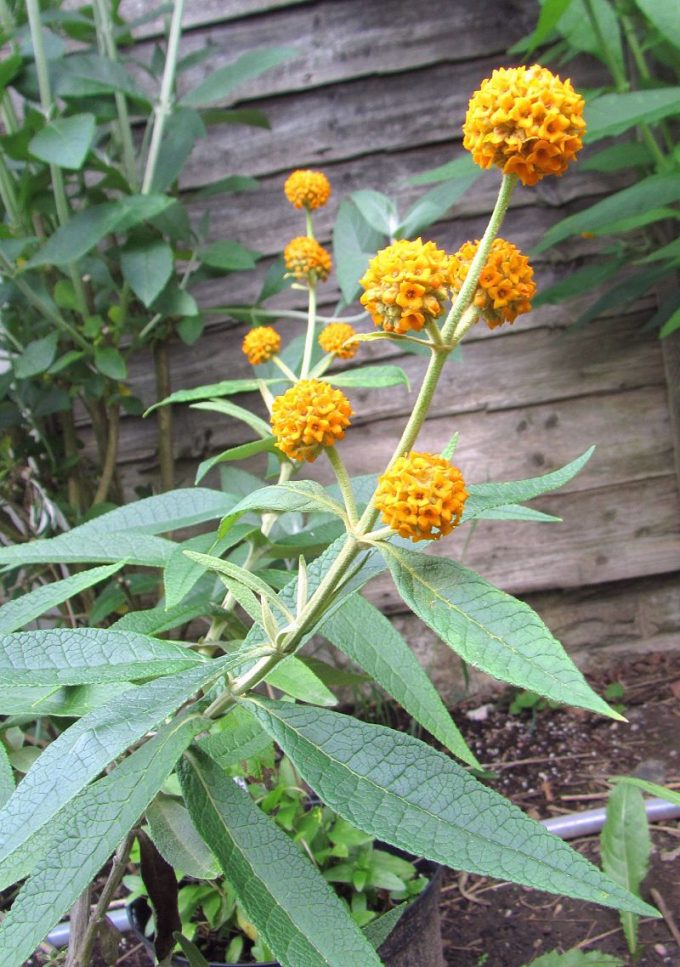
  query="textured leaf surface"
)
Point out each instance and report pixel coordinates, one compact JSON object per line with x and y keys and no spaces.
{"x":395,"y":787}
{"x":377,"y":377}
{"x":489,"y":628}
{"x":227,"y":387}
{"x":70,"y":701}
{"x":90,"y":547}
{"x":294,"y":678}
{"x":625,"y":846}
{"x":283,"y":894}
{"x":81,"y":752}
{"x":85,"y":834}
{"x":299,"y":496}
{"x":81,"y":656}
{"x":181,"y":573}
{"x":6,"y":776}
{"x":240,"y":737}
{"x":177,"y":839}
{"x":221,"y":82}
{"x":651,"y":787}
{"x":366,"y":636}
{"x":28,"y":607}
{"x":163,"y":512}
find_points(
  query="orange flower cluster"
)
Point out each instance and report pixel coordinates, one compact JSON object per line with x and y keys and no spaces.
{"x":506,"y":283}
{"x":526,"y":121}
{"x":421,"y":496}
{"x":260,"y":344}
{"x":335,"y":338}
{"x":406,"y":285}
{"x":304,"y":256}
{"x":308,"y":416}
{"x":307,"y":189}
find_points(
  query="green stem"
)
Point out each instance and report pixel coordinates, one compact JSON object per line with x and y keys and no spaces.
{"x":284,"y":369}
{"x":645,"y":130}
{"x":308,"y":223}
{"x":165,"y":100}
{"x":615,"y":69}
{"x":311,"y":326}
{"x":8,"y":195}
{"x":164,"y":416}
{"x":344,"y":483}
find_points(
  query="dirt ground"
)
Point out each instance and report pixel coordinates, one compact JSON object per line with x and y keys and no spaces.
{"x":549,"y":762}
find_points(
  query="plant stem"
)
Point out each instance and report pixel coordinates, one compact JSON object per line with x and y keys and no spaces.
{"x":165,"y":100}
{"x":311,"y":326}
{"x":7,"y":193}
{"x":284,"y":369}
{"x":119,"y":863}
{"x":71,"y":453}
{"x":79,"y":917}
{"x":109,"y":467}
{"x":344,"y":483}
{"x":646,"y":132}
{"x":164,"y":415}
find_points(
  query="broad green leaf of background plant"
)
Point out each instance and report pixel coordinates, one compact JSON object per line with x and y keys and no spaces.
{"x":626,"y":846}
{"x":578,"y":282}
{"x":551,"y":12}
{"x":229,"y":256}
{"x":177,"y":839}
{"x":185,"y":127}
{"x":576,"y":958}
{"x":576,"y":27}
{"x":220,"y":83}
{"x":80,"y":753}
{"x":154,"y":621}
{"x":110,"y":362}
{"x":241,"y":452}
{"x":434,"y":204}
{"x":68,"y":701}
{"x":612,"y":114}
{"x":368,"y":638}
{"x":460,"y":167}
{"x":84,"y":835}
{"x":36,"y":357}
{"x":664,"y":15}
{"x":377,"y":377}
{"x":282,"y":893}
{"x":355,"y":242}
{"x":82,"y":656}
{"x":66,"y":141}
{"x":378,"y":210}
{"x":400,"y":790}
{"x":489,"y":628}
{"x":146,"y":267}
{"x":294,"y":678}
{"x":651,"y":787}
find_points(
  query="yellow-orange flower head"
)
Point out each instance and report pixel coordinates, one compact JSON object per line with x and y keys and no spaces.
{"x":337,"y":338}
{"x":304,"y":256}
{"x":406,"y":285}
{"x":260,"y":344}
{"x":526,"y":121}
{"x":506,"y":283}
{"x":307,"y":189}
{"x":308,"y":416}
{"x":421,"y":496}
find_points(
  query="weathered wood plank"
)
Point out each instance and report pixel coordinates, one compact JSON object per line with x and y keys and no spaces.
{"x":197,"y":15}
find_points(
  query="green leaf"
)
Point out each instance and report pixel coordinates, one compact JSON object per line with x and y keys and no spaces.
{"x":626,"y":846}
{"x":177,"y":839}
{"x":146,"y":267}
{"x":185,"y":127}
{"x":30,"y":606}
{"x":90,"y":547}
{"x":110,"y":363}
{"x":224,"y":186}
{"x":550,"y":14}
{"x":434,"y":204}
{"x":228,"y":255}
{"x":37,"y":357}
{"x":670,"y":325}
{"x":243,"y":576}
{"x":173,"y":510}
{"x":612,"y":114}
{"x":85,"y":834}
{"x":576,"y":26}
{"x":218,"y":85}
{"x":240,"y":737}
{"x":651,"y":787}
{"x":489,"y":496}
{"x":618,"y":156}
{"x":80,"y":753}
{"x":489,"y":629}
{"x":81,"y":656}
{"x":377,"y":209}
{"x":66,"y":141}
{"x":664,"y":15}
{"x":235,"y":453}
{"x":458,"y":168}
{"x":154,"y":621}
{"x":376,"y":377}
{"x":9,"y":68}
{"x":238,"y":412}
{"x":626,"y":292}
{"x":294,"y":678}
{"x":297,"y":496}
{"x":649,"y":193}
{"x":518,"y":512}
{"x":228,"y":387}
{"x":354,"y":244}
{"x":6,"y":776}
{"x":578,"y":282}
{"x":400,"y":790}
{"x":88,"y":75}
{"x":86,"y":228}
{"x":282,"y":893}
{"x":69,"y":701}
{"x":193,"y":955}
{"x":181,"y":573}
{"x":246,"y":115}
{"x":576,"y":958}
{"x":377,"y":931}
{"x":366,"y":636}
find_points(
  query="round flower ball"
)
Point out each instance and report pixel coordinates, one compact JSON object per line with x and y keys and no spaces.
{"x":526,"y":121}
{"x":338,"y":338}
{"x":506,"y":283}
{"x":304,"y":256}
{"x":260,"y":344}
{"x":307,"y":189}
{"x":309,"y":416}
{"x":407,"y":285}
{"x":421,"y":496}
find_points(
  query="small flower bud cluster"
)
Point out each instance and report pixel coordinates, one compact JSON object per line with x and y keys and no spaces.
{"x":309,"y":416}
{"x":304,"y":256}
{"x":260,"y":344}
{"x":307,"y":189}
{"x":421,"y":496}
{"x":338,"y":338}
{"x":506,"y":283}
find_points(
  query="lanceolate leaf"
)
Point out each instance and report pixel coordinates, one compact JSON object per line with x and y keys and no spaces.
{"x":28,"y":607}
{"x":69,"y":701}
{"x":294,"y":678}
{"x":576,"y":958}
{"x":651,"y":787}
{"x":282,"y":893}
{"x":238,"y":412}
{"x":6,"y":776}
{"x":626,"y":847}
{"x":163,"y":512}
{"x":369,"y":639}
{"x":85,"y":834}
{"x":80,"y":753}
{"x":664,"y":15}
{"x":488,"y":628}
{"x":78,"y":656}
{"x":220,"y":83}
{"x":235,"y":453}
{"x":612,"y":114}
{"x":78,"y":546}
{"x":301,"y":496}
{"x":177,"y":839}
{"x":374,"y":376}
{"x":228,"y":387}
{"x":181,"y":573}
{"x":240,"y":737}
{"x":395,"y":787}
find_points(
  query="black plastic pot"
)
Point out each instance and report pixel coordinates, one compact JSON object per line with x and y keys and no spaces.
{"x":414,"y":942}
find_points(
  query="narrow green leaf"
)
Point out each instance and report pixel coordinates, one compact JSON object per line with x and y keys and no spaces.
{"x":220,"y":83}
{"x":435,"y":203}
{"x":551,"y":11}
{"x":664,"y":15}
{"x":172,"y":510}
{"x":298,"y":496}
{"x":235,"y":453}
{"x":185,"y":127}
{"x":228,"y":387}
{"x":243,"y":576}
{"x":177,"y":839}
{"x":354,"y":243}
{"x":489,"y":629}
{"x":460,"y":167}
{"x":90,"y":547}
{"x":282,"y":893}
{"x":146,"y":267}
{"x":193,"y":955}
{"x":85,"y":834}
{"x":89,"y":75}
{"x":376,"y":377}
{"x":366,"y":636}
{"x":489,"y":496}
{"x":230,"y":184}
{"x":378,"y":210}
{"x":651,"y":787}
{"x":181,"y":573}
{"x":612,"y":114}
{"x":670,"y":325}
{"x":154,"y":621}
{"x":240,"y":736}
{"x":616,"y":157}
{"x":37,"y":357}
{"x":228,"y":255}
{"x":81,"y":656}
{"x":517,"y":512}
{"x":68,"y":701}
{"x":623,"y":293}
{"x":576,"y":958}
{"x":626,"y":845}
{"x":66,"y":141}
{"x":110,"y":363}
{"x":294,"y":678}
{"x":238,"y":412}
{"x":402,"y":791}
{"x":578,"y":282}
{"x":246,"y":115}
{"x":377,"y":931}
{"x":6,"y":776}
